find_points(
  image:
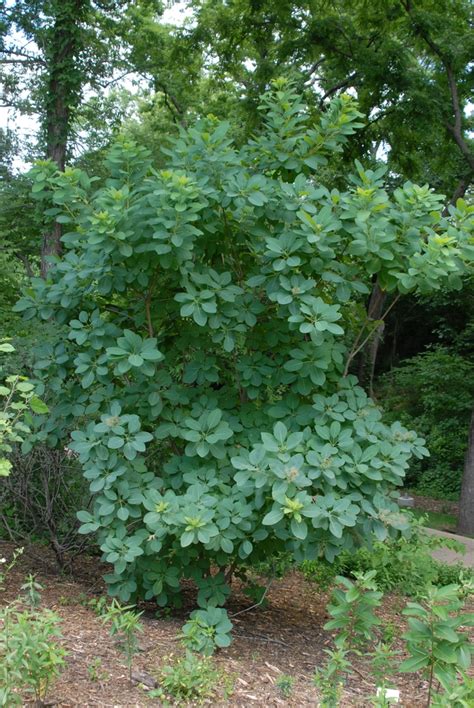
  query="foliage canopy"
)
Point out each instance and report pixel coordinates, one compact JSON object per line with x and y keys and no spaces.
{"x":208,"y":312}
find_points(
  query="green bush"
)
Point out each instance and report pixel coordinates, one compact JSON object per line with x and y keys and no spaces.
{"x":403,"y":565}
{"x":18,"y":404}
{"x":417,"y":393}
{"x":207,"y":630}
{"x":30,"y":656}
{"x":211,"y":312}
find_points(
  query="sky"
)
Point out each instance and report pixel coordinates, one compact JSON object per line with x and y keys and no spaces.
{"x":26,"y":126}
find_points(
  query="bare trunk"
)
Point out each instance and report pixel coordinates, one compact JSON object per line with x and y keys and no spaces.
{"x":63,"y":91}
{"x":466,"y":502}
{"x":368,"y":356}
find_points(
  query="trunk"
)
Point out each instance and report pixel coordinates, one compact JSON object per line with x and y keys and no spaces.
{"x":466,"y":502}
{"x":62,"y":95}
{"x":368,"y":355}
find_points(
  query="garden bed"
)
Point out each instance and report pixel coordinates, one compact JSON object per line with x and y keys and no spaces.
{"x":286,"y":637}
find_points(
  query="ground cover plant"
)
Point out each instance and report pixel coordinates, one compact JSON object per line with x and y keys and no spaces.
{"x":210,"y":315}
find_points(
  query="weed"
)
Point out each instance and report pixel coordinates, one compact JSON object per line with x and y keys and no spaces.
{"x":95,"y":670}
{"x":32,"y":591}
{"x":330,"y":679}
{"x":285,"y":684}
{"x":188,"y":678}
{"x":125,"y":625}
{"x":98,"y":605}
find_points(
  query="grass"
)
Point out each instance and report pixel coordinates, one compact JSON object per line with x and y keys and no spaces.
{"x":437,"y":520}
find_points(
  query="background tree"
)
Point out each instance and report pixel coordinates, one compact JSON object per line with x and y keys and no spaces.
{"x":70,"y":46}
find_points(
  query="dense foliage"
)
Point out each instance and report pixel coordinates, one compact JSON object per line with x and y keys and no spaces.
{"x":209,"y":311}
{"x":417,"y":394}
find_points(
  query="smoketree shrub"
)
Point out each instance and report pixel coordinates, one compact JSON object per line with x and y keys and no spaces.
{"x":209,"y":311}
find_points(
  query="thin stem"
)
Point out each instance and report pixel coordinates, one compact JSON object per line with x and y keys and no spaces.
{"x":354,"y":351}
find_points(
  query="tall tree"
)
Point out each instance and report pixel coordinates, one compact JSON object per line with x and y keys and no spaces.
{"x":409,"y":63}
{"x":68,"y":47}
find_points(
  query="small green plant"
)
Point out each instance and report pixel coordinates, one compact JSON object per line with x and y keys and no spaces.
{"x":6,"y":566}
{"x":434,"y":640}
{"x":125,"y":625}
{"x":17,"y":401}
{"x":285,"y":684}
{"x":30,"y":656}
{"x":383,"y":659}
{"x":207,"y":630}
{"x":458,"y":695}
{"x":32,"y":591}
{"x":188,"y":678}
{"x":352,"y":610}
{"x":321,"y":572}
{"x":331,"y":678}
{"x":96,"y":671}
{"x":98,"y":605}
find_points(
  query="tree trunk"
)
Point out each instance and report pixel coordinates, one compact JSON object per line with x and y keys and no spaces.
{"x":368,"y":355}
{"x":64,"y":83}
{"x":466,"y":502}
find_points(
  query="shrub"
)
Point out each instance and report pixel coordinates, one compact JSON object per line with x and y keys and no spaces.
{"x":211,"y":312}
{"x":30,"y":656}
{"x":18,"y":403}
{"x":40,"y":498}
{"x":352,"y":610}
{"x":125,"y":625}
{"x":404,"y":565}
{"x":207,"y":630}
{"x":416,"y":393}
{"x":434,"y":640}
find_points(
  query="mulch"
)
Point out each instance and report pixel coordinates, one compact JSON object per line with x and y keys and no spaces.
{"x":441,"y":506}
{"x":285,"y":637}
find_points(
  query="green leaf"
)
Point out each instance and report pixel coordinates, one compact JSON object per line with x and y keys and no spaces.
{"x":38,"y":406}
{"x":6,"y":348}
{"x":115,"y":442}
{"x":135,"y":360}
{"x":273,"y":517}
{"x":416,"y":662}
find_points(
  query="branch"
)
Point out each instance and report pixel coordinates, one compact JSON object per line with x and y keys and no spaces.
{"x":456,"y":129}
{"x":24,"y":55}
{"x":313,"y":68}
{"x":356,"y":349}
{"x":337,"y":87}
{"x":117,"y":78}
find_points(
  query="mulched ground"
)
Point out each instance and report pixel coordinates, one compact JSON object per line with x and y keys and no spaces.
{"x":442,"y":506}
{"x":285,"y":637}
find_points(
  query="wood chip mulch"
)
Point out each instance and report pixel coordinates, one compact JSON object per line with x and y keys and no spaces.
{"x":285,"y":637}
